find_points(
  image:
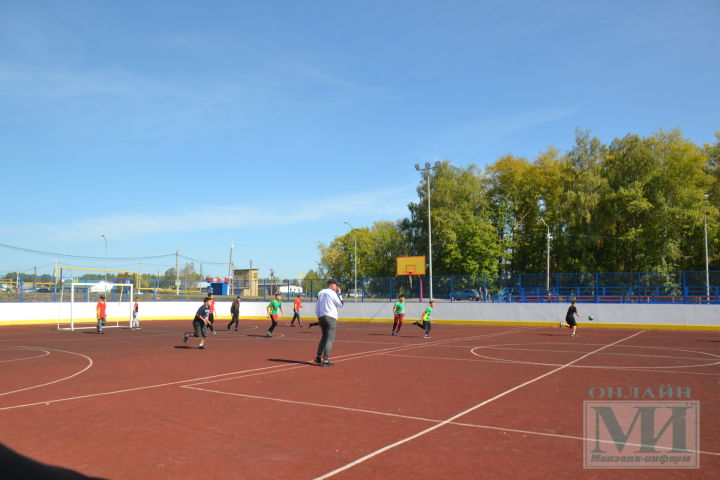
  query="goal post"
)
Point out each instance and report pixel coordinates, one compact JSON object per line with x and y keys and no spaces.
{"x":83,"y":300}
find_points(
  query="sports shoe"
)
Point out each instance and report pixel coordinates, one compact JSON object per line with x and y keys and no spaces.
{"x":228,"y":326}
{"x":201,"y":347}
{"x":426,"y":336}
{"x":292,"y":325}
{"x":268,"y":334}
{"x":573,"y":334}
{"x":327,"y":364}
{"x":213,"y":332}
{"x":317,"y":360}
{"x":185,"y":337}
{"x":300,"y":325}
{"x":561,"y":324}
{"x":310,"y":325}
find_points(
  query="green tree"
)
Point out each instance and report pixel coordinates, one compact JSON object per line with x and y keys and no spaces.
{"x":465,"y":241}
{"x":311,"y":281}
{"x":377,"y":249}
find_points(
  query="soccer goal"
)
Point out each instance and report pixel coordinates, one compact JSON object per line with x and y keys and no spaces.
{"x":83,"y":302}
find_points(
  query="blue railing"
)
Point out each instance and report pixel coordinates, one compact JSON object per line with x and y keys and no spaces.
{"x":618,"y":287}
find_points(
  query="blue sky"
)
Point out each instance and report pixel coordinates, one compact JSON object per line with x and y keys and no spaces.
{"x":189,"y":125}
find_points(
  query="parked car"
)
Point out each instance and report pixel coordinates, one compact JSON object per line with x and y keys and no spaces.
{"x":466,"y":294}
{"x":43,"y":290}
{"x":353,"y":294}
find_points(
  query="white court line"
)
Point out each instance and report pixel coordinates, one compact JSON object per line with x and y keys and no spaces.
{"x":465,"y":412}
{"x":134,"y":389}
{"x":603,"y":353}
{"x":87,"y":367}
{"x":510,"y":362}
{"x":45,"y":354}
{"x":199,"y":379}
{"x":354,"y":356}
{"x":412,"y":417}
{"x":548,"y":364}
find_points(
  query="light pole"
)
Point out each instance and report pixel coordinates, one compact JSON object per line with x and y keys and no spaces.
{"x":547,"y":267}
{"x":707,"y":260}
{"x":355,"y":260}
{"x":106,"y":255}
{"x":427,"y":169}
{"x":231,"y":269}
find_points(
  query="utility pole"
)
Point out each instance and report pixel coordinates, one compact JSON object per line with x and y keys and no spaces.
{"x":177,"y":272}
{"x":427,"y":169}
{"x":707,"y":258}
{"x":547,"y":268}
{"x":106,"y":256}
{"x":230,"y":270}
{"x":355,"y":289}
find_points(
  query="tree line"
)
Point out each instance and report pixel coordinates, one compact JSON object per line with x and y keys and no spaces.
{"x":636,"y":204}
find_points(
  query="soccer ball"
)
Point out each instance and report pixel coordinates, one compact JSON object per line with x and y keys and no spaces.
{"x":591,"y":318}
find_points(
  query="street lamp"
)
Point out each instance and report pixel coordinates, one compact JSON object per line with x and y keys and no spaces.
{"x":547,"y":267}
{"x":355,"y":260}
{"x":707,"y":260}
{"x":231,"y":268}
{"x":427,"y":169}
{"x":106,"y":255}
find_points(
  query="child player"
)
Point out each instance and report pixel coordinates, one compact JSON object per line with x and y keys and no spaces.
{"x":297,"y":305}
{"x":100,"y":313}
{"x":136,"y":317}
{"x":272,"y":310}
{"x":235,"y":313}
{"x":426,"y":319}
{"x":200,"y":324}
{"x":398,"y":315}
{"x":211,"y":318}
{"x":570,"y":318}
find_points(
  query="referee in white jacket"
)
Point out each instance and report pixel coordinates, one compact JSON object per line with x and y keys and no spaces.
{"x":327,"y":310}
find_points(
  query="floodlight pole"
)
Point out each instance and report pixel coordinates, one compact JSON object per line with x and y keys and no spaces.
{"x":177,"y":273}
{"x":231,"y":269}
{"x":427,"y":169}
{"x":707,"y":259}
{"x":106,"y":254}
{"x":355,"y":260}
{"x":547,"y":267}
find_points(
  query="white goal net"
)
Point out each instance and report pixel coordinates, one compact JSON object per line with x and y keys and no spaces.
{"x":82,"y":303}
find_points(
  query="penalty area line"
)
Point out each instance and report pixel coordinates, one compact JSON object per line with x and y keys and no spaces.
{"x":465,"y":412}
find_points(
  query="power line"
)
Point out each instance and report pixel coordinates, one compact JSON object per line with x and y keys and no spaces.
{"x":55,"y":254}
{"x":85,"y":257}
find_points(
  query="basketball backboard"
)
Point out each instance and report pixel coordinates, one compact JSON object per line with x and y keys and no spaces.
{"x":411,"y":265}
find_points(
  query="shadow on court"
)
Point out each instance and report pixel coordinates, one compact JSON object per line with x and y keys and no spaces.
{"x":282,"y":360}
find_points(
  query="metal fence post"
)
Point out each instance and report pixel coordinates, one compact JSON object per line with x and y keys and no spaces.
{"x":597,"y":287}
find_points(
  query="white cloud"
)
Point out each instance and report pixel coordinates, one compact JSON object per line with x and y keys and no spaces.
{"x":384,"y":203}
{"x":505,"y":125}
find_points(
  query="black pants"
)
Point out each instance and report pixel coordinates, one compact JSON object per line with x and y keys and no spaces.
{"x":274,"y":323}
{"x":425,"y":326}
{"x":296,"y":315}
{"x":236,"y":320}
{"x":211,"y":319}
